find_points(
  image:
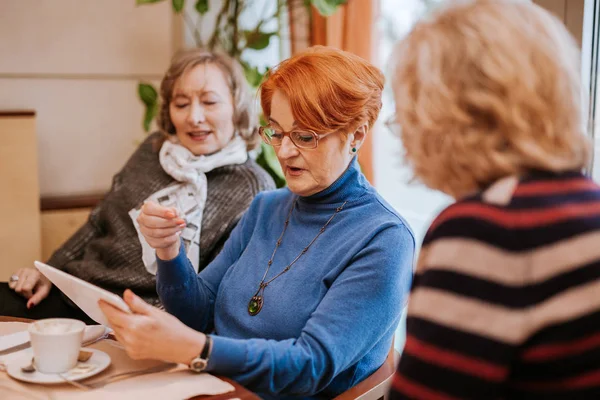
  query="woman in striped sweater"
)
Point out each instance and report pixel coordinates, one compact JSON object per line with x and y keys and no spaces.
{"x":506,"y":298}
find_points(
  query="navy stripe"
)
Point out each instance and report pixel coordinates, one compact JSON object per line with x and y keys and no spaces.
{"x":514,"y":297}
{"x":549,"y":176}
{"x":562,"y":368}
{"x":553,"y":394}
{"x":513,"y":239}
{"x":548,"y":201}
{"x":574,"y":330}
{"x":459,"y":341}
{"x":446,"y":380}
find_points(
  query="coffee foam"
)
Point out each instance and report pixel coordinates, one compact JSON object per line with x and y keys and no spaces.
{"x":55,"y":327}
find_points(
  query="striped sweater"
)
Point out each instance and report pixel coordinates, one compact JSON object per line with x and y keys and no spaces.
{"x":506,"y":298}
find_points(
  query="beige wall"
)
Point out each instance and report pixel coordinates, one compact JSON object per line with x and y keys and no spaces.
{"x":77,"y":64}
{"x":569,"y":11}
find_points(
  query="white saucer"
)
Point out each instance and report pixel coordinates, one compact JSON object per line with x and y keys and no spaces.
{"x":97,"y":363}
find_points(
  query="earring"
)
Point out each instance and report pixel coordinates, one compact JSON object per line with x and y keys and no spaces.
{"x":353,"y":150}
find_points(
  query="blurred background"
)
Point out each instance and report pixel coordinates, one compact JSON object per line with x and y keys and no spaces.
{"x":78,"y":79}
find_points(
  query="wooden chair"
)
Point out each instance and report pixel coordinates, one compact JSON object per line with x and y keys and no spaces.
{"x":376,"y":386}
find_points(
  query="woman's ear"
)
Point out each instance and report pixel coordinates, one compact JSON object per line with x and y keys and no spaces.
{"x":359,"y":136}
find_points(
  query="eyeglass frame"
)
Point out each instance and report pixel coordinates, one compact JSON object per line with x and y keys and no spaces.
{"x":284,"y":133}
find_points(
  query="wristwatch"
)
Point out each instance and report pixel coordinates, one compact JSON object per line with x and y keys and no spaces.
{"x":200,"y":362}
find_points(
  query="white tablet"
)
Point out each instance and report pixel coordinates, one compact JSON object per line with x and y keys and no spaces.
{"x":82,"y":293}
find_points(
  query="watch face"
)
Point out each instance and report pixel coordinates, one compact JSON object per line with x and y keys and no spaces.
{"x":198,"y":365}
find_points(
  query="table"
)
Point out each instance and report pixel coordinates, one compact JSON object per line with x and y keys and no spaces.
{"x":240,"y":392}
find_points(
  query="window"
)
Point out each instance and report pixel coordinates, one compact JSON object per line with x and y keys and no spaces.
{"x":415,"y":202}
{"x":589,"y":55}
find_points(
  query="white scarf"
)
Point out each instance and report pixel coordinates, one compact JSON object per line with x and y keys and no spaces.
{"x":188,"y":195}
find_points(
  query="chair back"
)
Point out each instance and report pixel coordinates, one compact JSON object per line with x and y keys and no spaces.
{"x":377,"y":385}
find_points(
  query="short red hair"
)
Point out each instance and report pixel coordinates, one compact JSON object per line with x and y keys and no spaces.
{"x":328,"y":89}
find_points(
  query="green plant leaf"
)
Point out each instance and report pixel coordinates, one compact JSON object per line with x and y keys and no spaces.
{"x":140,"y":2}
{"x":149,"y":116}
{"x":147,"y":93}
{"x":268,"y":160}
{"x":258,"y":40}
{"x":178,"y":5}
{"x":327,"y":7}
{"x":149,"y":96}
{"x":253,"y":75}
{"x":261,"y":120}
{"x":202,"y":6}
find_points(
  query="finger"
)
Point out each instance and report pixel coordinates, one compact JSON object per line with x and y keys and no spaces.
{"x":119,"y":335}
{"x":136,"y":304}
{"x":162,"y":243}
{"x":159,"y":233}
{"x":151,"y":208}
{"x":39,"y":294}
{"x":26,"y":283}
{"x":21,"y":274}
{"x":116,"y":317}
{"x":152,"y":221}
{"x":13,"y":284}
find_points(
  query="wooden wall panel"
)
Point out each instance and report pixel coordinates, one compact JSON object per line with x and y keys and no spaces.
{"x":58,"y":226}
{"x":19,"y":194}
{"x":574,"y":18}
{"x":557,"y":7}
{"x":568,"y":11}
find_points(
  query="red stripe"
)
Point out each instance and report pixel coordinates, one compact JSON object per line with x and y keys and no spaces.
{"x":402,"y":384}
{"x":555,"y":187}
{"x":529,"y":218}
{"x":591,"y":379}
{"x":455,"y":361}
{"x":557,"y":350}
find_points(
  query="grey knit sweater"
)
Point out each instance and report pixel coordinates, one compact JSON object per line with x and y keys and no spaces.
{"x":106,"y":250}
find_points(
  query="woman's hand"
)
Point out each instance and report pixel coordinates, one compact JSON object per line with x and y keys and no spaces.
{"x":32,"y":285}
{"x":161,"y":228}
{"x":150,"y":333}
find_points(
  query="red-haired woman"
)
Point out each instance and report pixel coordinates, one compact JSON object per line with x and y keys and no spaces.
{"x":306,"y":295}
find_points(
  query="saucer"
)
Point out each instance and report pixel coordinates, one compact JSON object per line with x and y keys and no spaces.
{"x":97,"y":363}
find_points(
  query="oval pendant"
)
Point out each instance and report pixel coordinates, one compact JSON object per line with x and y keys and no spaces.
{"x":255,"y":305}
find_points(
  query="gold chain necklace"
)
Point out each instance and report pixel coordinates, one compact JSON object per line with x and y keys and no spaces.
{"x":256,"y":302}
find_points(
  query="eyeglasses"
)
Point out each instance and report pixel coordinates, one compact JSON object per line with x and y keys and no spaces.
{"x":393,"y":125}
{"x":303,"y":139}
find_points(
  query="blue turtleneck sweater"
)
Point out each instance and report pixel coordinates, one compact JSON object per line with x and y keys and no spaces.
{"x":328,"y":322}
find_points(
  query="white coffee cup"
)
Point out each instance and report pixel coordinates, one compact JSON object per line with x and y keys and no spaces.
{"x":56,"y":343}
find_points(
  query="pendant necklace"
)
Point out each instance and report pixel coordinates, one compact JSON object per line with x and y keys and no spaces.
{"x":256,"y":302}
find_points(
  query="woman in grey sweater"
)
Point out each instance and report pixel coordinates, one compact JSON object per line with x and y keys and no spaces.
{"x":198,"y":165}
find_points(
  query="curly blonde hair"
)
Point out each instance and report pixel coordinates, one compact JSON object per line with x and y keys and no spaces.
{"x":244,"y":119}
{"x":486,"y":89}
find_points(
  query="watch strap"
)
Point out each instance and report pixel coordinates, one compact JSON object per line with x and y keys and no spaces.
{"x":205,"y":353}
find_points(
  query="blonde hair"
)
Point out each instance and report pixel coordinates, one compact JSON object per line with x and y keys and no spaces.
{"x":486,"y":89}
{"x":244,"y":120}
